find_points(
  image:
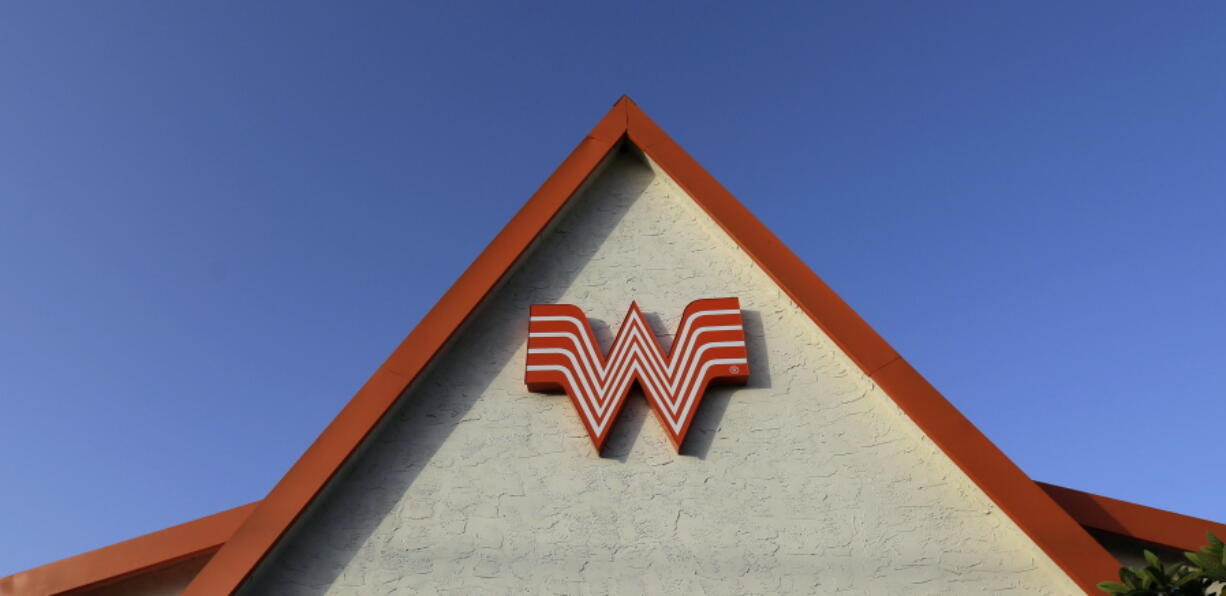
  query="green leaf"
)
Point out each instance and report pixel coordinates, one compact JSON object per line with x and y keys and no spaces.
{"x":1153,"y":559}
{"x":1211,"y":562}
{"x":1130,"y":577}
{"x":1190,"y":577}
{"x":1113,"y":587}
{"x":1197,"y":559}
{"x":1146,"y":577}
{"x":1214,"y":541}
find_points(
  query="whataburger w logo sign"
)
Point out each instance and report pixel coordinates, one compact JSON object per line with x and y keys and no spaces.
{"x":563,"y":356}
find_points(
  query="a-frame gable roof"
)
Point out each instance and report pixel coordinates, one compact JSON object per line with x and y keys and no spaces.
{"x":1032,"y":509}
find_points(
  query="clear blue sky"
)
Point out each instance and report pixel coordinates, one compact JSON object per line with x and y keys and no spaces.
{"x":216,"y":221}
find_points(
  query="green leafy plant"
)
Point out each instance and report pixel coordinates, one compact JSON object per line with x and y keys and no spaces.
{"x":1204,"y":573}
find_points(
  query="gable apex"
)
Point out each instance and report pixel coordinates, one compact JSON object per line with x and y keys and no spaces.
{"x":1032,"y":509}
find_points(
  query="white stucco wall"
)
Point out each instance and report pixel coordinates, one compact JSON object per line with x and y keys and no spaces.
{"x":809,"y":480}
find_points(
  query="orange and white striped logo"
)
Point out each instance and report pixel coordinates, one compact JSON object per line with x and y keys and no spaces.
{"x":563,"y":356}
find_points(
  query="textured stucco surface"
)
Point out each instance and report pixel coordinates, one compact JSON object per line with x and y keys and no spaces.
{"x":809,"y":480}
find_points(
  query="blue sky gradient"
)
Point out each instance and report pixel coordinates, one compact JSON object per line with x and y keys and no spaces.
{"x":216,"y":221}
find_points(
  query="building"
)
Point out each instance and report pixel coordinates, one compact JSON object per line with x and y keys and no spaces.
{"x":826,"y":465}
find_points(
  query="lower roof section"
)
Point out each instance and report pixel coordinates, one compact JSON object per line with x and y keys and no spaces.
{"x":176,"y":554}
{"x":192,"y":541}
{"x":1155,"y":526}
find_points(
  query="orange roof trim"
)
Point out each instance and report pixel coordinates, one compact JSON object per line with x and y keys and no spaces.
{"x":129,"y":558}
{"x":1181,"y":532}
{"x":1070,"y":546}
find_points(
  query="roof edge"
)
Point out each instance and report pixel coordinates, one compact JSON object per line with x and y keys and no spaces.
{"x":1159,"y":526}
{"x":130,"y":557}
{"x":239,"y":557}
{"x":1068,"y":544}
{"x":852,"y":333}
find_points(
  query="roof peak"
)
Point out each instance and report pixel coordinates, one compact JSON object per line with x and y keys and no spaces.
{"x":1049,"y":526}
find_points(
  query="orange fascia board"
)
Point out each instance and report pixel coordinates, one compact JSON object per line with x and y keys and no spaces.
{"x":308,"y":476}
{"x":1173,"y":530}
{"x":128,"y":558}
{"x":1049,"y":526}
